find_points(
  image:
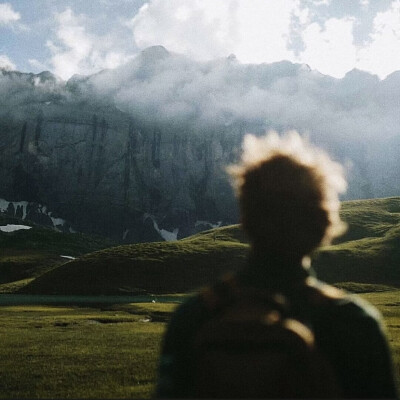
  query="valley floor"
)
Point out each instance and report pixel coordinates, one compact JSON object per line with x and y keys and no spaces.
{"x":74,"y":352}
{"x":104,"y":351}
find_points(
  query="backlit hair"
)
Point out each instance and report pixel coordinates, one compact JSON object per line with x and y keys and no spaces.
{"x":288,"y":192}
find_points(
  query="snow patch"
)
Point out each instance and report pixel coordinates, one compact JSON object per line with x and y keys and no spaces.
{"x":207,"y":223}
{"x":125,"y":234}
{"x":68,"y":257}
{"x":12,"y":228}
{"x":41,"y":209}
{"x":169,"y":236}
{"x":166,"y":235}
{"x":57,"y":221}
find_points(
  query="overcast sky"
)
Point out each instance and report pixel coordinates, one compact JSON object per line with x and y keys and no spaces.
{"x":82,"y":37}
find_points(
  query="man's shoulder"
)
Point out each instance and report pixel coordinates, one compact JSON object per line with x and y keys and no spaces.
{"x":191,"y":305}
{"x":345,"y":305}
{"x":189,"y":314}
{"x":339,"y":305}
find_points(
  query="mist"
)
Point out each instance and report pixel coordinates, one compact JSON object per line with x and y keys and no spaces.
{"x":355,"y":118}
{"x":161,"y":87}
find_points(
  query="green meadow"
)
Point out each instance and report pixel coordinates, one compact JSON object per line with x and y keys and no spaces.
{"x":72,"y":352}
{"x":77,"y":350}
{"x":108,"y":352}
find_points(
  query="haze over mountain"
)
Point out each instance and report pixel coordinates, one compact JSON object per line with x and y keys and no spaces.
{"x":137,"y":152}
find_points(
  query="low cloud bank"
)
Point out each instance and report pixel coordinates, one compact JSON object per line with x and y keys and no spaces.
{"x":356,"y":118}
{"x":162,"y":86}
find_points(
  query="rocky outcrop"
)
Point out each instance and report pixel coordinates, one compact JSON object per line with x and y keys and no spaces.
{"x":106,"y":173}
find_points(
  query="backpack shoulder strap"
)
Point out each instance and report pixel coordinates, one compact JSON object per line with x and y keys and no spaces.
{"x":313,"y":299}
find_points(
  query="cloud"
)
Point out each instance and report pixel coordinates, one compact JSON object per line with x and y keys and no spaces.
{"x":6,"y":63}
{"x":331,"y":37}
{"x":255,"y":31}
{"x":164,"y":87}
{"x":265,"y":30}
{"x":355,"y":118}
{"x":75,"y":50}
{"x":38,"y":65}
{"x":259,"y":31}
{"x":330,"y":48}
{"x":7,"y":15}
{"x":381,"y":54}
{"x":203,"y":29}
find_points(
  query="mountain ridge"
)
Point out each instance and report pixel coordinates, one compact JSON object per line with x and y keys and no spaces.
{"x":142,"y":149}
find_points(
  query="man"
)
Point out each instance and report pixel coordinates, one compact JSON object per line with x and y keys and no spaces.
{"x":288,"y":195}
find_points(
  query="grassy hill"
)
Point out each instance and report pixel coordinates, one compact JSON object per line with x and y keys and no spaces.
{"x":369,"y":253}
{"x":370,"y":218}
{"x":161,"y":267}
{"x":26,"y":254}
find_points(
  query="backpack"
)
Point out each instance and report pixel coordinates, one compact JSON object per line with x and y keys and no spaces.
{"x":253,"y":346}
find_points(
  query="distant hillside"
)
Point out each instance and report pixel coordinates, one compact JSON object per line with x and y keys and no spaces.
{"x":369,"y":253}
{"x":160,"y":267}
{"x":28,"y":253}
{"x":370,"y":218}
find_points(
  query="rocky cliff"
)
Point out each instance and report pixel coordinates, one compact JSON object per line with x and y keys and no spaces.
{"x":103,"y":172}
{"x":138,"y":153}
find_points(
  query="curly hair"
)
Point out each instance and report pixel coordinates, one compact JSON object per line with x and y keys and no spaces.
{"x":288,"y":193}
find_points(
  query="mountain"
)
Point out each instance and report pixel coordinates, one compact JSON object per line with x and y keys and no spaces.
{"x":369,"y":254}
{"x":138,"y":153}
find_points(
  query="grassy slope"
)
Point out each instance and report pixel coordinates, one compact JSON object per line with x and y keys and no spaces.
{"x":25,"y":254}
{"x":66,"y":352}
{"x":156,"y":267}
{"x":369,"y":253}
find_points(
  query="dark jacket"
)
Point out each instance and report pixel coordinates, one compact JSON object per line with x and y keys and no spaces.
{"x":350,"y":333}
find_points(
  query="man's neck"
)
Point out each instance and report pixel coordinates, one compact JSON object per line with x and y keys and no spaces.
{"x":264,"y":256}
{"x":268,"y":269}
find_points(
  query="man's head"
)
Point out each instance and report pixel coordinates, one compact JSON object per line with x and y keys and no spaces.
{"x":288,"y":194}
